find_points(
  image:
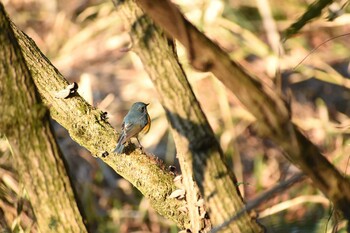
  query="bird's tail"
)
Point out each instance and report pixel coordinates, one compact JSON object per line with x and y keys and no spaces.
{"x":120,"y":146}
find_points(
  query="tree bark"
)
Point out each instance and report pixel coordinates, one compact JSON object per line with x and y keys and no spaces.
{"x":88,"y":127}
{"x":25,"y":124}
{"x":199,"y":154}
{"x":270,"y":110}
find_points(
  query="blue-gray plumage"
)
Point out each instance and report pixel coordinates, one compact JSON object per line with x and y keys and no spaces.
{"x":136,"y":121}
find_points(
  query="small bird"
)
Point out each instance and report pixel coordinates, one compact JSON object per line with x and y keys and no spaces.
{"x":136,"y":121}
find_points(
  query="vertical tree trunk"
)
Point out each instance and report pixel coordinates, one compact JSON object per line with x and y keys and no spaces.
{"x":199,"y":153}
{"x":25,"y":124}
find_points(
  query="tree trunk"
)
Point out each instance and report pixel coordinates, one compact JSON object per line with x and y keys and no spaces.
{"x":268,"y":107}
{"x":199,"y":154}
{"x":25,"y":123}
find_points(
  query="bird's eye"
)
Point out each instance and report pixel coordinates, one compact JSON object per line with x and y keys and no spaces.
{"x":142,"y":109}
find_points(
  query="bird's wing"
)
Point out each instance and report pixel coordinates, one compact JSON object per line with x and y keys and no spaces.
{"x":130,"y":130}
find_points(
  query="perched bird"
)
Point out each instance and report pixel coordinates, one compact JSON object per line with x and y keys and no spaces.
{"x":136,"y":121}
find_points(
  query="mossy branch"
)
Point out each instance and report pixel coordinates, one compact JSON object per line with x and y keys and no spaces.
{"x":88,"y":127}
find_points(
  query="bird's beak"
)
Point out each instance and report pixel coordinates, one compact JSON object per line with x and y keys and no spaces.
{"x":147,"y":104}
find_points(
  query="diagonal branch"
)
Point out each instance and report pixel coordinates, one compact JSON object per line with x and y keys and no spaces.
{"x":87,"y":126}
{"x":271,"y":112}
{"x":313,"y":11}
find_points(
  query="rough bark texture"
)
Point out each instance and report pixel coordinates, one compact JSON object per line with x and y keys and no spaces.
{"x":88,"y":127}
{"x":271,"y":112}
{"x":25,"y":124}
{"x":199,"y":153}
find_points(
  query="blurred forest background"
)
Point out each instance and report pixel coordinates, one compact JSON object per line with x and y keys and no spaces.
{"x":86,"y":41}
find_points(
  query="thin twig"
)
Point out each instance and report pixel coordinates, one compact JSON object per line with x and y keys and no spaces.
{"x":318,"y":46}
{"x":281,"y":187}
